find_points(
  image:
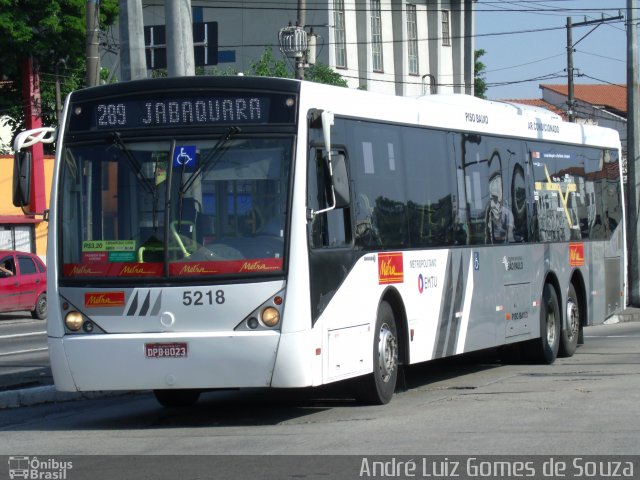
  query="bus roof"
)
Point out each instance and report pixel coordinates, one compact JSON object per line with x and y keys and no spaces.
{"x":456,"y":112}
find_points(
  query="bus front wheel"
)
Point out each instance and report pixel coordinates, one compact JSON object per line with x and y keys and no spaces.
{"x":378,"y":387}
{"x":177,"y":398}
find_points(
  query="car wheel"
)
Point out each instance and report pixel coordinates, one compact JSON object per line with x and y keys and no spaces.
{"x":40,"y":310}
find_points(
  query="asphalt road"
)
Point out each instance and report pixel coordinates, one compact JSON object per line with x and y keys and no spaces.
{"x":24,"y":360}
{"x":585,"y":404}
{"x":471,"y":405}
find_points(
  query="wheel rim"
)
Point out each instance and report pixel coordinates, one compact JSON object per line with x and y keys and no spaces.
{"x":387,"y":352}
{"x":42,"y":305}
{"x":551,"y":325}
{"x":573,"y":316}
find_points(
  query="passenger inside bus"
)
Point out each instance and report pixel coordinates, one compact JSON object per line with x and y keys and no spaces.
{"x":499,"y":219}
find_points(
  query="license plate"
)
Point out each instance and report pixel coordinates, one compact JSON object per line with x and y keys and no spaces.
{"x":165,"y":350}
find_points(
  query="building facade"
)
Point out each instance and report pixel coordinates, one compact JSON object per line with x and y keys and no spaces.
{"x":18,"y":230}
{"x":395,"y":46}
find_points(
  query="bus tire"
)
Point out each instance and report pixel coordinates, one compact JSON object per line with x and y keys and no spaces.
{"x":177,"y":398}
{"x":545,"y":349}
{"x":572,"y":325}
{"x":378,"y":387}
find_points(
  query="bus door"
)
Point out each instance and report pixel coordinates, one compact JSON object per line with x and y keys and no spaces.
{"x":517,"y":262}
{"x":330,"y":237}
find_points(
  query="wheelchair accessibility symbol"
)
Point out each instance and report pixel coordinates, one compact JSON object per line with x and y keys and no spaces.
{"x":184,"y":156}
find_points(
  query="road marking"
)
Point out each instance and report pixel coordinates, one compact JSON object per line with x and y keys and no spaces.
{"x":18,"y":352}
{"x":22,"y":335}
{"x":612,"y":336}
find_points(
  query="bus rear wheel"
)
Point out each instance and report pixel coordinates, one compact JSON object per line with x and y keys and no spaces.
{"x":545,"y":348}
{"x":177,"y":398}
{"x":378,"y":387}
{"x":571,"y":328}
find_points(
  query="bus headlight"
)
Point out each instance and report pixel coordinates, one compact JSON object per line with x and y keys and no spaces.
{"x":267,"y":316}
{"x":73,"y":321}
{"x":270,"y":316}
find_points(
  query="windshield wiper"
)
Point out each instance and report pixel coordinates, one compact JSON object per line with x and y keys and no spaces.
{"x":133,"y":163}
{"x":210,"y":160}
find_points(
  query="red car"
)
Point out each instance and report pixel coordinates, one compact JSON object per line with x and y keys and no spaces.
{"x":23,"y":283}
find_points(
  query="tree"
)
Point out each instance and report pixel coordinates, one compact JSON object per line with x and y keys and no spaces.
{"x":53,"y":33}
{"x":321,"y":73}
{"x":480,"y":86}
{"x":268,"y":66}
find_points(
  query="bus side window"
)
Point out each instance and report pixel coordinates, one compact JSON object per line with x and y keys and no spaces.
{"x":332,"y":228}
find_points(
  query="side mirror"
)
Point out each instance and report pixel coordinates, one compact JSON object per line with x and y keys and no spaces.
{"x":21,"y":179}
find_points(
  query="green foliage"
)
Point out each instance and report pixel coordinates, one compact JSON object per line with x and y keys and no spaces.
{"x":321,"y":73}
{"x":268,"y":66}
{"x":53,"y":32}
{"x":480,"y":86}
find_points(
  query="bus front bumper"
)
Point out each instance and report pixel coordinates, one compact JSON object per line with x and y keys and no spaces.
{"x":120,"y":361}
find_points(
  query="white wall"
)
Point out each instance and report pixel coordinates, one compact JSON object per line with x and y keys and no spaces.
{"x":245,"y":26}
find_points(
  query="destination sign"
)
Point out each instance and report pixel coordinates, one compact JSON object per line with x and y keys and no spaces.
{"x":180,"y":111}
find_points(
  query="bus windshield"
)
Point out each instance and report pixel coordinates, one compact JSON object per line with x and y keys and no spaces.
{"x":174,"y":207}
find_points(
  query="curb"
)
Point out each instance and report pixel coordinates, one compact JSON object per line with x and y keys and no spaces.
{"x":48,"y":394}
{"x":628,"y":315}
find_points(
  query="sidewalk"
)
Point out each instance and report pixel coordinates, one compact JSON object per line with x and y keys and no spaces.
{"x":35,"y":385}
{"x":630,"y":314}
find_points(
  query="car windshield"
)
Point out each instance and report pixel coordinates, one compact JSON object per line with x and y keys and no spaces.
{"x":179,"y":208}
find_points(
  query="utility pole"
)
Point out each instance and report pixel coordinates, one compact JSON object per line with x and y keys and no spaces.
{"x":294,"y":42}
{"x":633,"y":136}
{"x":133,"y":64}
{"x":302,"y":20}
{"x":58,"y":95}
{"x":33,"y":119}
{"x":571,"y":113}
{"x":93,"y":59}
{"x":570,"y":99}
{"x":180,"y":59}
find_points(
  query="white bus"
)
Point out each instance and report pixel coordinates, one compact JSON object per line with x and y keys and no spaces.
{"x":229,"y":232}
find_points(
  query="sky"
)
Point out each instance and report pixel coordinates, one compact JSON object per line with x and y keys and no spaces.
{"x":526,"y":44}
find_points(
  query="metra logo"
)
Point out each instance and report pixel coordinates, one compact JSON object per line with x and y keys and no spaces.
{"x":104,"y":299}
{"x":136,"y":270}
{"x":195,"y":269}
{"x":83,"y":270}
{"x":390,"y":268}
{"x":576,"y":254}
{"x":257,"y":267}
{"x":512,"y":263}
